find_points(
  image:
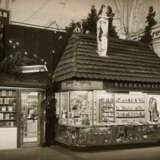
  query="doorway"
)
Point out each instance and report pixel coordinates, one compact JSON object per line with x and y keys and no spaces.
{"x":30,"y":118}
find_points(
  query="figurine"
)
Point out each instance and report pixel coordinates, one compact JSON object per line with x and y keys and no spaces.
{"x":102,"y":32}
{"x":153,"y":111}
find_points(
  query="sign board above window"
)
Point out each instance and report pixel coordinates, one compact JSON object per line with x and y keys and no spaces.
{"x":33,"y":69}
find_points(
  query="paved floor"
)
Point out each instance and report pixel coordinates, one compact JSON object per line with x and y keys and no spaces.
{"x":61,"y":153}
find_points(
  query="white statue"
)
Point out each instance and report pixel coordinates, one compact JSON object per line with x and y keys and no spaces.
{"x":102,"y":32}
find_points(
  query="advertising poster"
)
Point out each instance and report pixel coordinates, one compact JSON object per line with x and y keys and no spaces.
{"x":57,"y":97}
{"x":153,"y":108}
{"x":79,"y":107}
{"x":130,"y":107}
{"x":104,"y":110}
{"x":64,"y":107}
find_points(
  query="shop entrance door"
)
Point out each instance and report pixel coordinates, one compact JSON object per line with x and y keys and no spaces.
{"x":30,"y":108}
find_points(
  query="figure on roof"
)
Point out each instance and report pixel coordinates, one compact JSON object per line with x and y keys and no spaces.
{"x":102,"y":31}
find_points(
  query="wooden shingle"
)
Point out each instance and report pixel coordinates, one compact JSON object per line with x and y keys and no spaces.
{"x":126,"y":61}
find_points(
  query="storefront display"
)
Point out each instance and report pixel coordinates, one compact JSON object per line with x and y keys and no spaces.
{"x":79,"y":108}
{"x":74,"y":108}
{"x":123,"y":86}
{"x":20,"y":111}
{"x":100,"y":117}
{"x":7,"y":108}
{"x":64,"y":108}
{"x":130,"y":107}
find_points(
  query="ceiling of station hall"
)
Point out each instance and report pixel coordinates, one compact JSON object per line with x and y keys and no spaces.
{"x":59,"y":13}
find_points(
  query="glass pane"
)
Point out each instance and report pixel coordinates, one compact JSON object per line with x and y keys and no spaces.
{"x":64,"y":107}
{"x":29,"y":102}
{"x":7,"y":108}
{"x":79,"y":111}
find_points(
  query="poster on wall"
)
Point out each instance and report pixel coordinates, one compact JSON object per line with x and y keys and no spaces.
{"x":104,"y":109}
{"x":130,"y":107}
{"x":153,"y":108}
{"x":79,"y":111}
{"x":64,"y":107}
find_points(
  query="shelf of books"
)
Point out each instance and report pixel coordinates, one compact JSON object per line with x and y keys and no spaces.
{"x":130,"y":108}
{"x":107,"y":110}
{"x":7,"y":108}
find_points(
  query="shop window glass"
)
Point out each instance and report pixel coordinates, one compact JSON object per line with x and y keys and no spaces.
{"x":7,"y":108}
{"x":57,"y":97}
{"x":80,"y":108}
{"x":153,"y":108}
{"x":74,"y":107}
{"x":29,"y":111}
{"x":104,"y":108}
{"x":130,"y":108}
{"x":64,"y":104}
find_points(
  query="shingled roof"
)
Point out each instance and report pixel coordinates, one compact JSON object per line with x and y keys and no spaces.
{"x":127,"y":61}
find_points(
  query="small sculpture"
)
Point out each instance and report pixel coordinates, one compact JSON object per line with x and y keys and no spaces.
{"x":153,"y":111}
{"x":102,"y":32}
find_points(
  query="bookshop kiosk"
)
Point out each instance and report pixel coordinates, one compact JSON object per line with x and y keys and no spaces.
{"x":22,"y":111}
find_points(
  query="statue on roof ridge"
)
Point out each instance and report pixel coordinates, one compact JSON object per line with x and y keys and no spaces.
{"x":102,"y":32}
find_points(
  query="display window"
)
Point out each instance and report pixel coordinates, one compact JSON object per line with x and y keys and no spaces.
{"x":64,"y":104}
{"x":153,"y":108}
{"x":79,"y":111}
{"x":101,"y":107}
{"x":7,"y":108}
{"x":130,"y":107}
{"x":74,"y":108}
{"x":104,"y":108}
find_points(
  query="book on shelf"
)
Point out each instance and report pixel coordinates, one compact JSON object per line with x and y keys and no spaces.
{"x":3,"y":93}
{"x":3,"y":108}
{"x":10,"y":93}
{"x":6,"y":100}
{"x":10,"y":109}
{"x":12,"y":116}
{"x":7,"y":116}
{"x":12,"y":101}
{"x":1,"y":116}
{"x":12,"y":124}
{"x":1,"y":100}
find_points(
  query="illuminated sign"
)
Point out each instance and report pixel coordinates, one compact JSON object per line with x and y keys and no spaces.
{"x":82,"y":85}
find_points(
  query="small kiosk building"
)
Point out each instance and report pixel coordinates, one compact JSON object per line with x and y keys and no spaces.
{"x":107,"y":99}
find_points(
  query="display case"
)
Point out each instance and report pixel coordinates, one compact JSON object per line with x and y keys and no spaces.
{"x":100,"y":117}
{"x":130,"y":107}
{"x":74,"y":108}
{"x":7,"y":108}
{"x":107,"y":110}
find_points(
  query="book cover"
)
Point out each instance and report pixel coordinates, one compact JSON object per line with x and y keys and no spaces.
{"x":10,"y":109}
{"x":3,"y":93}
{"x":3,"y":109}
{"x":1,"y":116}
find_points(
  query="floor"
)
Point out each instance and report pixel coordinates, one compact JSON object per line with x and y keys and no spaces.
{"x":60,"y":153}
